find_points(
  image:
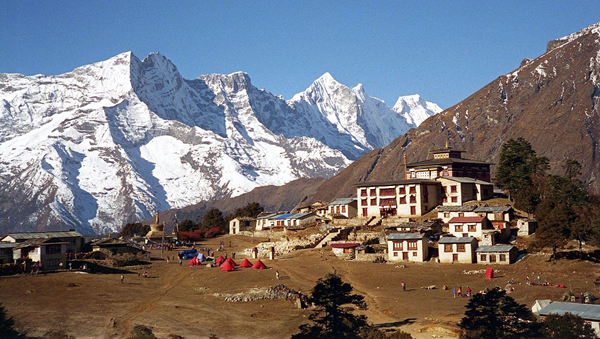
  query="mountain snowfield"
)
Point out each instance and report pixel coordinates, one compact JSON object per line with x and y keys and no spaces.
{"x":111,"y":142}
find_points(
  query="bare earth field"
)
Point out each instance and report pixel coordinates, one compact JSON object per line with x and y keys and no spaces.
{"x":180,"y":300}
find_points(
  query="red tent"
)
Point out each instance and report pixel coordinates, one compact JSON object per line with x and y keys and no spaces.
{"x":194,"y":261}
{"x":258,"y":265}
{"x":231,"y":261}
{"x":220,"y":260}
{"x":227,"y":266}
{"x":246,"y":263}
{"x":489,"y":273}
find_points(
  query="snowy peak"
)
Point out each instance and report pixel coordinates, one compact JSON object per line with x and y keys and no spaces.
{"x":415,"y":109}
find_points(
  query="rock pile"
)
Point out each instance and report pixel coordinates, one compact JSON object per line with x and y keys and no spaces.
{"x":286,"y":246}
{"x":279,"y":291}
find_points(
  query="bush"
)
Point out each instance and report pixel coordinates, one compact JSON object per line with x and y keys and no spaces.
{"x":194,"y":235}
{"x":212,"y":232}
{"x":141,"y":332}
{"x":59,"y":334}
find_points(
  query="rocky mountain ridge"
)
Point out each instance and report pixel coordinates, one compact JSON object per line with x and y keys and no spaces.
{"x":113,"y":141}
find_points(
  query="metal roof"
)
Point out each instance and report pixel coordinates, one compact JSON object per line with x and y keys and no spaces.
{"x":8,"y":244}
{"x":283,"y":216}
{"x":342,"y":201}
{"x":466,"y":219}
{"x":456,"y":240}
{"x":397,"y":182}
{"x":299,"y":215}
{"x":446,"y":161}
{"x":466,"y":208}
{"x":345,"y":245}
{"x":586,"y":311}
{"x":467,"y":180}
{"x":41,"y":235}
{"x":405,"y":236}
{"x":486,"y":209}
{"x":495,"y":248}
{"x":268,"y":216}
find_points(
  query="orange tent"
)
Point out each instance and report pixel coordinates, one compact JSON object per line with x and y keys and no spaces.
{"x":258,"y":265}
{"x":220,"y":260}
{"x":231,"y":261}
{"x":246,"y":263}
{"x":227,"y":266}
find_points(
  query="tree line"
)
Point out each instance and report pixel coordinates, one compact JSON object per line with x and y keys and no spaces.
{"x":560,"y":203}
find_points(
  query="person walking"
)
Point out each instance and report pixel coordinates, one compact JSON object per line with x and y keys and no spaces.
{"x":180,"y":261}
{"x":454,"y":291}
{"x":539,"y":279}
{"x":468,"y":291}
{"x":277,"y":275}
{"x":403,"y":286}
{"x":122,"y":278}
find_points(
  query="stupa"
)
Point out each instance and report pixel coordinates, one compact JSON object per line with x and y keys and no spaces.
{"x":157,"y":231}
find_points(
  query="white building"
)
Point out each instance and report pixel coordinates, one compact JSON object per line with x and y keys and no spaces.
{"x":407,"y":247}
{"x":459,"y":190}
{"x":457,"y":250}
{"x":497,"y":254}
{"x":342,"y":208}
{"x":402,"y":198}
{"x":469,"y":226}
{"x":241,"y":224}
{"x":589,"y":312}
{"x":448,"y":212}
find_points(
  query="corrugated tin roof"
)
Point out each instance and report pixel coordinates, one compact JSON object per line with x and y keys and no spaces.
{"x":495,"y":248}
{"x":466,"y":208}
{"x":586,"y":311}
{"x":494,"y":209}
{"x":283,"y":216}
{"x":445,"y":161}
{"x":456,"y":240}
{"x":268,"y":216}
{"x":466,"y":219}
{"x":342,"y":201}
{"x":40,"y":235}
{"x":405,"y":236}
{"x":39,"y":241}
{"x":299,"y":215}
{"x":466,"y":180}
{"x":8,"y":244}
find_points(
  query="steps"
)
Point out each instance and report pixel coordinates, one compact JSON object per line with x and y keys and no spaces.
{"x":328,"y":238}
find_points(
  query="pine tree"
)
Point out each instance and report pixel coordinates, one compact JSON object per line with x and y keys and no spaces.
{"x":331,"y":319}
{"x":566,"y":326}
{"x":495,"y":315}
{"x":7,"y":325}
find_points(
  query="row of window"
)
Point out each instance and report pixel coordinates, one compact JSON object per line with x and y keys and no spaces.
{"x":411,"y":245}
{"x":501,"y":257}
{"x":387,"y":191}
{"x":390,"y":201}
{"x":459,"y":248}
{"x":337,"y":209}
{"x":414,"y":254}
{"x":471,"y":228}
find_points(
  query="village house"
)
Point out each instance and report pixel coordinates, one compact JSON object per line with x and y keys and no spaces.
{"x":458,"y":190}
{"x":407,"y":247}
{"x":426,"y":227}
{"x":344,"y":250}
{"x":300,"y":220}
{"x":6,"y":252}
{"x":469,"y":226}
{"x":50,"y":252}
{"x":589,"y":312}
{"x":402,"y":198}
{"x":115,"y":246}
{"x":497,"y":254}
{"x":342,"y":208}
{"x":73,"y":239}
{"x":526,"y":227}
{"x":448,"y":212}
{"x":457,"y":250}
{"x":448,"y":162}
{"x":238,"y":224}
{"x":496,"y":213}
{"x":265,"y":220}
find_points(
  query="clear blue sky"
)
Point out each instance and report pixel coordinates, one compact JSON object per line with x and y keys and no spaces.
{"x":443,"y":50}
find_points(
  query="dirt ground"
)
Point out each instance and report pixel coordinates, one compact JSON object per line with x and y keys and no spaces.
{"x":179,"y":300}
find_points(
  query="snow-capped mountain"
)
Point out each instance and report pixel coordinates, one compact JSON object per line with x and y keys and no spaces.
{"x":366,"y":120}
{"x":414,"y":109}
{"x":113,"y":141}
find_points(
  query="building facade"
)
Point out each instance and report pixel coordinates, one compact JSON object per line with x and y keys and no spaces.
{"x":469,"y":226}
{"x":342,"y":208}
{"x":403,"y":198}
{"x":497,"y":254}
{"x":457,"y":250}
{"x":407,"y":247}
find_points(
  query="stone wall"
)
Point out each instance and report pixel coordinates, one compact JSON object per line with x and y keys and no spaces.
{"x":393,"y":221}
{"x":364,"y":236}
{"x":349,"y":222}
{"x":284,"y":246}
{"x":370,"y":257}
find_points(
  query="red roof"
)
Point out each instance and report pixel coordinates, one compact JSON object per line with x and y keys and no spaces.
{"x":227,"y":266}
{"x":345,"y":245}
{"x":466,"y":219}
{"x":246,"y":263}
{"x":258,"y":265}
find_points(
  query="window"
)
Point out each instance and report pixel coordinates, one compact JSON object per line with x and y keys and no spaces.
{"x":502,"y":257}
{"x":413,"y":210}
{"x":483,"y":257}
{"x":460,"y":248}
{"x":363,"y":192}
{"x":447,"y":247}
{"x":403,"y":200}
{"x":454,"y":199}
{"x":387,"y":191}
{"x":414,"y":254}
{"x":413,"y":199}
{"x":373,"y":192}
{"x":461,"y":214}
{"x":453,"y":189}
{"x":387,"y":202}
{"x":402,"y":190}
{"x":374,"y":202}
{"x":395,"y":254}
{"x":412,"y":245}
{"x":492,"y":258}
{"x":472,"y":228}
{"x":363,"y":202}
{"x":413,"y":189}
{"x":458,"y":228}
{"x":343,"y":208}
{"x":398,"y":245}
{"x":446,"y":215}
{"x":498,"y":216}
{"x":52,"y":249}
{"x":337,"y":209}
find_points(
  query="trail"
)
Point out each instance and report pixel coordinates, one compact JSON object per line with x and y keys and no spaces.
{"x":121,"y":327}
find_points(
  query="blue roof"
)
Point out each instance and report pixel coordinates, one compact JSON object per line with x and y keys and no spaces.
{"x":283,"y":216}
{"x":586,"y":311}
{"x":405,"y":236}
